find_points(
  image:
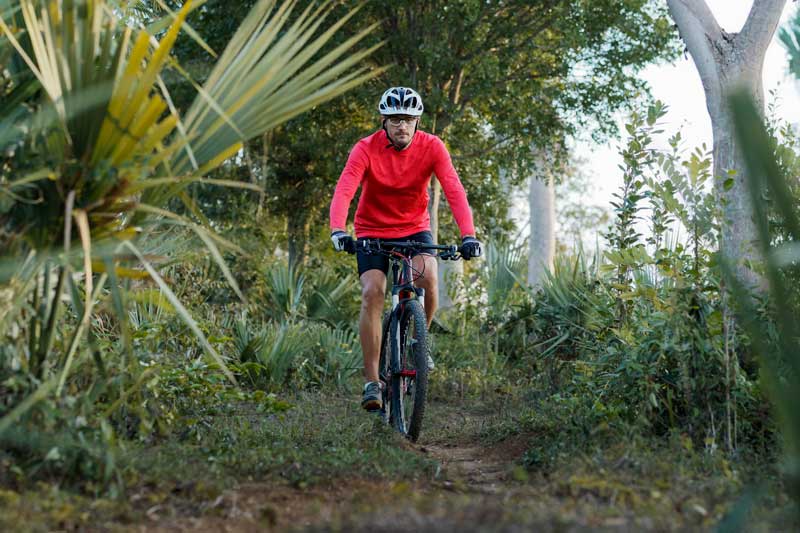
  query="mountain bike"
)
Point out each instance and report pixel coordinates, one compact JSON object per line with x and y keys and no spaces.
{"x":403,"y":366}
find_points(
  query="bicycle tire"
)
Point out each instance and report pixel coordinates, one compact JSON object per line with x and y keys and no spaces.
{"x":384,"y":365}
{"x":411,"y":326}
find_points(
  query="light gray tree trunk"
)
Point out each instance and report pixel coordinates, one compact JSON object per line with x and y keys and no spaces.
{"x":435,"y":194}
{"x":450,"y":273}
{"x":726,"y":62}
{"x":542,"y":208}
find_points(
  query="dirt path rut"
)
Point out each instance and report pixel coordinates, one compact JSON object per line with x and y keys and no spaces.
{"x":469,"y":468}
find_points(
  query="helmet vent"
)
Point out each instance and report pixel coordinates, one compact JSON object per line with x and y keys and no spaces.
{"x":401,"y":101}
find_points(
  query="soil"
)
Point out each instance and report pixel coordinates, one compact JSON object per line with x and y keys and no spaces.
{"x":478,"y":486}
{"x":467,"y":471}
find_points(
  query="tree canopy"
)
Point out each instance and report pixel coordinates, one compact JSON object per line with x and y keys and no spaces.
{"x":497,"y":78}
{"x":500,"y":77}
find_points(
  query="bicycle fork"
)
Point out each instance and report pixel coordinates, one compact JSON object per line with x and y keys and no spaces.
{"x":396,"y":311}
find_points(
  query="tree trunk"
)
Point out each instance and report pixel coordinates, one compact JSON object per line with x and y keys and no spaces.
{"x":726,"y":62}
{"x":450,"y":272}
{"x":297,"y":225}
{"x":435,"y":195}
{"x":541,"y":201}
{"x":433,"y":208}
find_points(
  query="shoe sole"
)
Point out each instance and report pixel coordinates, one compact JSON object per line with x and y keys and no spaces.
{"x":371,"y":405}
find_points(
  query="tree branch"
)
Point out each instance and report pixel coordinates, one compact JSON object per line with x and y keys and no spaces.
{"x":699,"y":30}
{"x":697,"y":14}
{"x":761,"y":25}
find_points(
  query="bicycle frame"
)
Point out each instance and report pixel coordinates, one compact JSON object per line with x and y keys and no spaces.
{"x":403,"y":288}
{"x":403,"y":367}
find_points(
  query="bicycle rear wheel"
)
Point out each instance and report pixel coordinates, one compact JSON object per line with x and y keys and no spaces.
{"x":409,"y":385}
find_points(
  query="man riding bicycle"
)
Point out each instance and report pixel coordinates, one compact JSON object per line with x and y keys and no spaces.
{"x":394,"y":166}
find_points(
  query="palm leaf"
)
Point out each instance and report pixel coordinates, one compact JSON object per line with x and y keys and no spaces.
{"x":264,"y":78}
{"x":781,"y":360}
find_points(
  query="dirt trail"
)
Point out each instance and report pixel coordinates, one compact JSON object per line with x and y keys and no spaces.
{"x":467,"y":470}
{"x":471,"y":468}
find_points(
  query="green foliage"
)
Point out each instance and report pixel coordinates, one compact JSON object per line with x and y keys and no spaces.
{"x":503,"y":270}
{"x":284,"y":292}
{"x":192,"y":394}
{"x":568,"y":317}
{"x":306,"y":354}
{"x":268,"y":355}
{"x":778,"y":349}
{"x":332,"y":297}
{"x":626,"y":251}
{"x":93,"y":158}
{"x":790,"y":38}
{"x":322,"y":437}
{"x":334,"y":358}
{"x":642,"y":330}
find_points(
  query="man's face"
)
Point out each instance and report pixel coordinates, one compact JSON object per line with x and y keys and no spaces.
{"x":401,"y":128}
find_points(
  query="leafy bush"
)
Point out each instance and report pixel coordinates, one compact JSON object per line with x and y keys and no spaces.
{"x":273,"y":355}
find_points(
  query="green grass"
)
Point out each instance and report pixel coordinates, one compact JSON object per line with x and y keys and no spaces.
{"x":564,"y":468}
{"x":322,"y":439}
{"x":573,"y":456}
{"x":319,"y":438}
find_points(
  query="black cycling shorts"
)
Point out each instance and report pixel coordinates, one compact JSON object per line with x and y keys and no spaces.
{"x":381,"y":262}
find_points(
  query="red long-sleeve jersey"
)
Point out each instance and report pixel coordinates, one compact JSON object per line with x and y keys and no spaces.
{"x":394,"y":187}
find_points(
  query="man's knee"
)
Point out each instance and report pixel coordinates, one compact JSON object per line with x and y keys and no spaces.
{"x":373,"y":289}
{"x":430,"y":276}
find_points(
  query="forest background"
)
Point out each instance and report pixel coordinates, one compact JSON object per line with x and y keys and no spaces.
{"x":172,"y":310}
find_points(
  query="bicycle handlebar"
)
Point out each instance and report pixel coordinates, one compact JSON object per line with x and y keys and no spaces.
{"x":445,"y":251}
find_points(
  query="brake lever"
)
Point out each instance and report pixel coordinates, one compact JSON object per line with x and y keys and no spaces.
{"x":450,"y":255}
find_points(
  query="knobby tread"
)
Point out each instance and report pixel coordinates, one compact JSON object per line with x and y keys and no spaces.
{"x":412,"y":310}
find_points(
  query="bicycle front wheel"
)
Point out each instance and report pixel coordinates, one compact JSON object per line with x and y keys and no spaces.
{"x":384,"y":365}
{"x":409,"y":378}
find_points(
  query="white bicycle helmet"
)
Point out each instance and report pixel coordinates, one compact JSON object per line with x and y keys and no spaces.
{"x":401,"y":101}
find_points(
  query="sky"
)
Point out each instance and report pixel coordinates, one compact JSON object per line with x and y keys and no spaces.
{"x":679,"y":86}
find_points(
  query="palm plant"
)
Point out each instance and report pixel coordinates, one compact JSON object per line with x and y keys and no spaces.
{"x":326,"y":301}
{"x":98,"y":150}
{"x":284,"y":292}
{"x":504,"y":268}
{"x":266,"y":356}
{"x":335,"y":357}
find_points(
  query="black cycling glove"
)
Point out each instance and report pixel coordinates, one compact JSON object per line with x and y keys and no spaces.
{"x":342,"y":242}
{"x":470,"y":247}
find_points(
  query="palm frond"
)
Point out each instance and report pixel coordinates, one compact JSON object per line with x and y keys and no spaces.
{"x":265,"y":76}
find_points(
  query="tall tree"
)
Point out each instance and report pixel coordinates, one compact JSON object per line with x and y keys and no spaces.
{"x":541,"y":203}
{"x":728,"y":61}
{"x":495,"y":77}
{"x":498,"y":76}
{"x":306,"y":156}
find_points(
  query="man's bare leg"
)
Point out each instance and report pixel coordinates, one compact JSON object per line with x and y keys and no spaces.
{"x":373,"y":291}
{"x":429,"y":280}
